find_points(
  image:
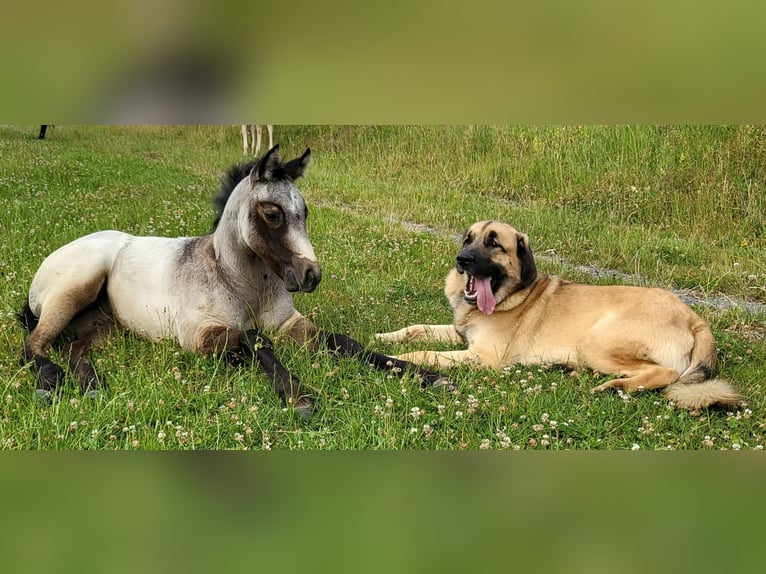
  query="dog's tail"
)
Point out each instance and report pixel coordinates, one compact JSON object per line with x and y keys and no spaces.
{"x":695,"y":389}
{"x":28,"y":319}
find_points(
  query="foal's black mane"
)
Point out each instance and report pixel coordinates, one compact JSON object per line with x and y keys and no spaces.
{"x":287,"y":171}
{"x":229,"y":181}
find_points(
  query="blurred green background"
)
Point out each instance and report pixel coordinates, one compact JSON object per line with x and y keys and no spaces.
{"x":383,"y":62}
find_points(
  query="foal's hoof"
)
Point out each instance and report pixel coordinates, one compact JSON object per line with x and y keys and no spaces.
{"x":303,"y":408}
{"x":49,"y":377}
{"x":446,"y":383}
{"x":436,"y":380}
{"x":92,"y":387}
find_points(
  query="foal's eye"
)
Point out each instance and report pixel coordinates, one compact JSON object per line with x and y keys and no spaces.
{"x":272,"y":215}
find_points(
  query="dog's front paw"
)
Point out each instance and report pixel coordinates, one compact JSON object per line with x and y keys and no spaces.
{"x":614,"y":384}
{"x":392,"y":337}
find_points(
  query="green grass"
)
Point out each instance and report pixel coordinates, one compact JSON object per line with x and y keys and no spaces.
{"x":671,"y":206}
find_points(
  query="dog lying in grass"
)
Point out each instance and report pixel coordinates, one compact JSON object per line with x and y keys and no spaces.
{"x":506,"y":313}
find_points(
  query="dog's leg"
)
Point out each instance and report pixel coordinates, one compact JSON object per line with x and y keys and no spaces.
{"x":640,"y":378}
{"x":443,"y":359}
{"x":433,"y":333}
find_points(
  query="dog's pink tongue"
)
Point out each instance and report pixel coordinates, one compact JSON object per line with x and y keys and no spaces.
{"x":485,"y":300}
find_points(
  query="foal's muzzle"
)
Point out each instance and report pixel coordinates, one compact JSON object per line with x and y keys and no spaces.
{"x":304,"y":276}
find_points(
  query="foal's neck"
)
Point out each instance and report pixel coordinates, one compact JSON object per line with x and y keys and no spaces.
{"x":238,"y":265}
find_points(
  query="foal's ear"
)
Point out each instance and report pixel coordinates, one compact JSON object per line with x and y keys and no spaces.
{"x":267,"y":165}
{"x":296,"y":167}
{"x":526,"y":260}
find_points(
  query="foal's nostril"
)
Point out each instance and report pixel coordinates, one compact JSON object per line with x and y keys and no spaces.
{"x":312,"y":278}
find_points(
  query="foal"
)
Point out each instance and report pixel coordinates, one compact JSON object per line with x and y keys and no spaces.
{"x":216,"y":293}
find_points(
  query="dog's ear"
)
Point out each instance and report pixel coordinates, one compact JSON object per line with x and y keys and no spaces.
{"x":526,"y":261}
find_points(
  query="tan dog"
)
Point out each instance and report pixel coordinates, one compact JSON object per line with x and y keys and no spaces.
{"x":507,"y":314}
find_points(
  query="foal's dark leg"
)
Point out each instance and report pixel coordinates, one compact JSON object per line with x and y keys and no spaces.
{"x":61,"y":307}
{"x":36,"y":348}
{"x":252,"y":344}
{"x":286,"y":385}
{"x":347,"y":346}
{"x":89,"y":328}
{"x":80,"y":366}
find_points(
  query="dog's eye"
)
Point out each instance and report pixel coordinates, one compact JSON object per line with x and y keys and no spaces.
{"x":492,"y":243}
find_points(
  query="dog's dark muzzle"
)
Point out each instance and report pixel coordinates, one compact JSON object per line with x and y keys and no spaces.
{"x":464,"y":260}
{"x":477,"y":263}
{"x":474,"y":262}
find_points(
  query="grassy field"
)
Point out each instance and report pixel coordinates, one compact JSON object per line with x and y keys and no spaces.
{"x":681,"y":207}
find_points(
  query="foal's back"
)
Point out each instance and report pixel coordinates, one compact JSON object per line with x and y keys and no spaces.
{"x":134,"y":273}
{"x":76,"y":271}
